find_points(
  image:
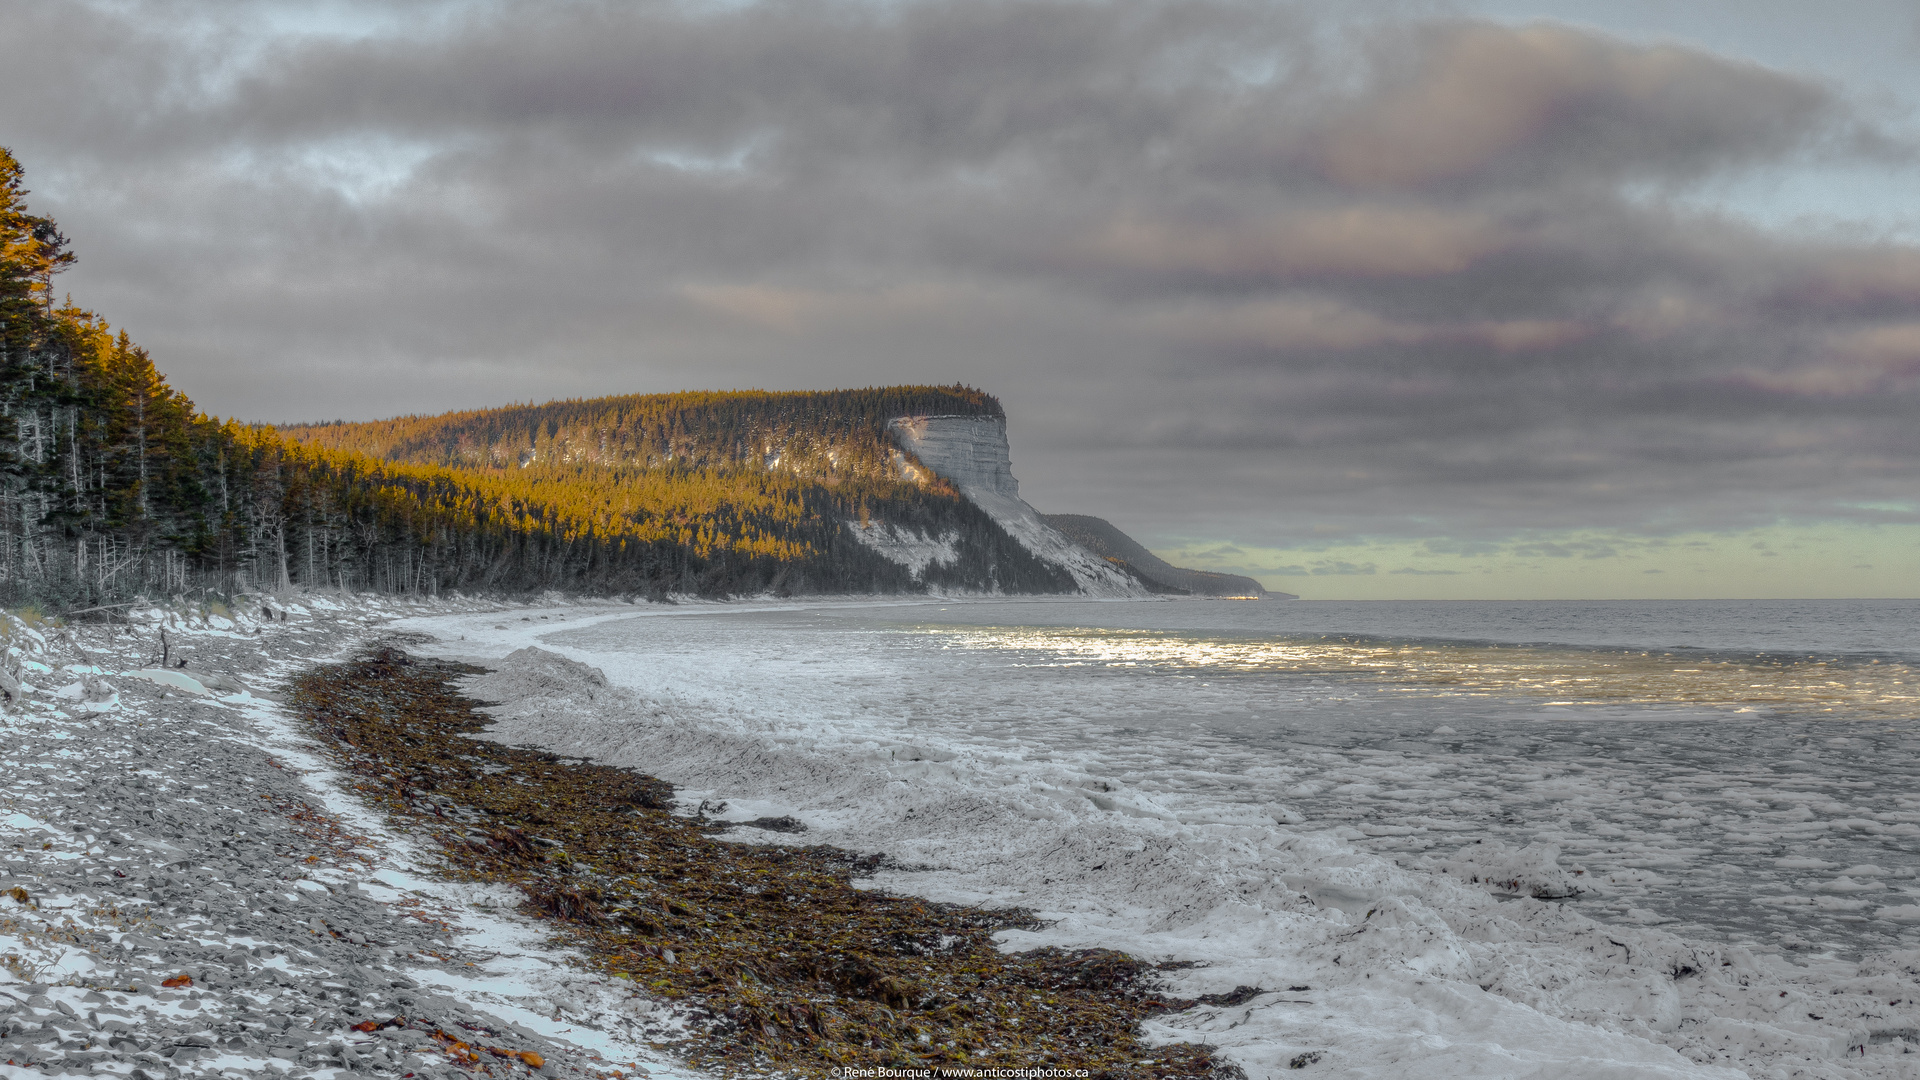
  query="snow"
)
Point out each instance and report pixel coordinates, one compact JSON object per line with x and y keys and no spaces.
{"x":1072,"y":773}
{"x":972,"y":452}
{"x":146,"y":824}
{"x":179,"y":680}
{"x":910,"y":549}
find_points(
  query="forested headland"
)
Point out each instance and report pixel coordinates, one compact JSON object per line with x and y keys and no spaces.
{"x":112,"y":484}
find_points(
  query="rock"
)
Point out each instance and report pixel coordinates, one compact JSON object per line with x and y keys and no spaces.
{"x":172,"y":814}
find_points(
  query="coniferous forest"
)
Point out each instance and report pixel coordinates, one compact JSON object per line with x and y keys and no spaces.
{"x":113,"y":485}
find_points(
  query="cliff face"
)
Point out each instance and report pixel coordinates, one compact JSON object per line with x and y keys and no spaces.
{"x":724,"y":493}
{"x":1100,"y":537}
{"x":971,"y":453}
{"x":749,"y":491}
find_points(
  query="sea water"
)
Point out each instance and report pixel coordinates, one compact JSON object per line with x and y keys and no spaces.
{"x":1740,"y":774}
{"x":1723,"y":766}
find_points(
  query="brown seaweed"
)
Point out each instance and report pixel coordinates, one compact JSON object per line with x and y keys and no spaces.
{"x":793,"y":969}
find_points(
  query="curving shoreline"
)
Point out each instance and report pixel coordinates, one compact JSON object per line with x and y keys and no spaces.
{"x":1369,"y":964}
{"x":398,"y":937}
{"x":776,"y":959}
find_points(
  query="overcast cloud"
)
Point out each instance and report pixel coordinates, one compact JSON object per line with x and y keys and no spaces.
{"x":1238,"y":272}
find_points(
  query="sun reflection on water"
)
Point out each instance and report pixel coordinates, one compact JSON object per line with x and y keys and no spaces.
{"x":1547,"y":675}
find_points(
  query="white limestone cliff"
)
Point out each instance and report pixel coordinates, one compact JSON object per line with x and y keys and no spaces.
{"x":971,"y":452}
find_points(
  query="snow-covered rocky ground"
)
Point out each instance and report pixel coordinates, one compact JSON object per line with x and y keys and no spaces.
{"x":173,"y":826}
{"x":1371,"y":968}
{"x":188,"y":888}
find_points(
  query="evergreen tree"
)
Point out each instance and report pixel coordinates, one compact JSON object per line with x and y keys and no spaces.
{"x":113,"y":485}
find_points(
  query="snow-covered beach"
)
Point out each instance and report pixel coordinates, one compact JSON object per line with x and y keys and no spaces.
{"x":191,"y":889}
{"x":997,"y":754}
{"x":949,"y":742}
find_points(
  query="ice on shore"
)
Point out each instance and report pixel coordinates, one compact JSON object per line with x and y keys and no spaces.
{"x":1533,"y":870}
{"x":1370,"y":966}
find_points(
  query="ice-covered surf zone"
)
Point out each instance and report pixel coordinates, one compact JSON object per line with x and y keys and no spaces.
{"x":1367,"y":968}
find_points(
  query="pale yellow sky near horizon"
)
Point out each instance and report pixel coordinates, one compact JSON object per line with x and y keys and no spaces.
{"x":1799,"y":561}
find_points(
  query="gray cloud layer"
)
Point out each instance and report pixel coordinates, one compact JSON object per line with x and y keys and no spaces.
{"x":1235,"y":271}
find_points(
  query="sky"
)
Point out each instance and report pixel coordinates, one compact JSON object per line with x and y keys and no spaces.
{"x":1369,"y":300}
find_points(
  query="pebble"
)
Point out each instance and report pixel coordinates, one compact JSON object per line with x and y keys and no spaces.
{"x":179,"y":896}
